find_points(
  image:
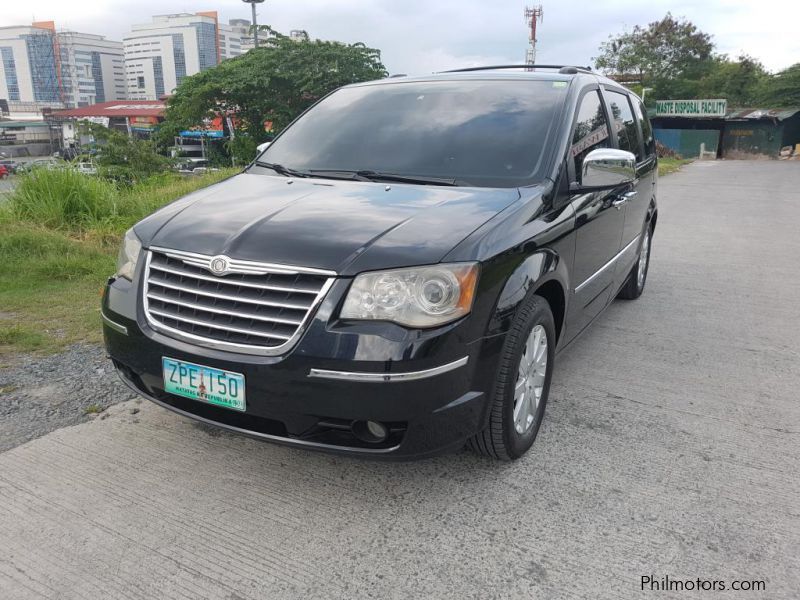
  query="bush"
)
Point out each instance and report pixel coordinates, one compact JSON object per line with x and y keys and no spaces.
{"x":243,"y":148}
{"x":123,"y":159}
{"x":63,"y":198}
{"x":665,"y":152}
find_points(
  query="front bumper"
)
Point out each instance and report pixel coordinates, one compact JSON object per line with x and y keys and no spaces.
{"x":430,"y":389}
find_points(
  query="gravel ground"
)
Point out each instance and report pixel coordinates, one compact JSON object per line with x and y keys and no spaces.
{"x":40,"y":394}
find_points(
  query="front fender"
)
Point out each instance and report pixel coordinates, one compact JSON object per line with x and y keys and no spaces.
{"x":530,"y":275}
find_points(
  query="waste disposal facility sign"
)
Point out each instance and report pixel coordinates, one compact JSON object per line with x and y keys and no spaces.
{"x":691,"y":108}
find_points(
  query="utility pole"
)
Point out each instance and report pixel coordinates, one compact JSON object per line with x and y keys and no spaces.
{"x":252,"y":4}
{"x":532,"y":16}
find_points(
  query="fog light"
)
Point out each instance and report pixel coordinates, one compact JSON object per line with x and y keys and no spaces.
{"x":371,"y":432}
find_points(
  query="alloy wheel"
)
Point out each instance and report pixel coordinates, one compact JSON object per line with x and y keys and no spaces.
{"x":530,"y":379}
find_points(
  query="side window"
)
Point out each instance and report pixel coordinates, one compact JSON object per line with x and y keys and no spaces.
{"x":624,"y":123}
{"x":591,"y":130}
{"x":647,"y":128}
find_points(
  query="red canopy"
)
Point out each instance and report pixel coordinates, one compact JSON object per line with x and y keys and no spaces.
{"x":118,"y":108}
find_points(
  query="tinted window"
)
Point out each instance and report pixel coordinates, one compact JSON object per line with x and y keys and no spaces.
{"x":624,"y":123}
{"x":486,"y":133}
{"x":591,"y":129}
{"x":647,"y":128}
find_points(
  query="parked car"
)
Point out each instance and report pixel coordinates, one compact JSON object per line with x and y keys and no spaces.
{"x":87,"y":168}
{"x":189,"y":165}
{"x":4,"y":172}
{"x":397,"y":273}
{"x":11,"y":165}
{"x":43,"y":163}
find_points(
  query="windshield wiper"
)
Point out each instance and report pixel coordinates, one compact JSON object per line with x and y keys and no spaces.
{"x":368,"y":175}
{"x":362,"y":175}
{"x":281,"y":170}
{"x":337,"y":174}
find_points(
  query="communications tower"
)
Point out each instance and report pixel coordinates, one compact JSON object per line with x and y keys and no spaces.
{"x":532,"y":17}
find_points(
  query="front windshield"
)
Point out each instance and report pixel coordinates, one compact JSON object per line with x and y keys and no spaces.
{"x":489,"y":133}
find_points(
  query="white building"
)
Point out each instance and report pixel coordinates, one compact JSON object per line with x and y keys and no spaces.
{"x":236,"y":36}
{"x":46,"y":68}
{"x":92,"y":69}
{"x":158,"y":55}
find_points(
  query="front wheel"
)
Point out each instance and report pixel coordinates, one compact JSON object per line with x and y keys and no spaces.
{"x":522,"y":384}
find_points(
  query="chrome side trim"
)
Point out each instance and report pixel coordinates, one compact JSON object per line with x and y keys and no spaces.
{"x":264,"y":436}
{"x":608,"y":265}
{"x":113,"y":324}
{"x":247,"y":267}
{"x":387,"y":377}
{"x":228,"y":346}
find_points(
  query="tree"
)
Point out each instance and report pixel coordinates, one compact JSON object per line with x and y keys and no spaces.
{"x":740,"y":81}
{"x":122,"y":158}
{"x":782,"y":90}
{"x":273,"y":83}
{"x":660,"y":55}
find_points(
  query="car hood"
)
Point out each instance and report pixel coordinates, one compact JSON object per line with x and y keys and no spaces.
{"x":343,"y":226}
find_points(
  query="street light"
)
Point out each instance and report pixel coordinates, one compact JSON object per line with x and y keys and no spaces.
{"x":252,"y":4}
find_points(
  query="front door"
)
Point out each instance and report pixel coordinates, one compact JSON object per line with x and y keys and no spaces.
{"x":599,"y":221}
{"x":626,"y":118}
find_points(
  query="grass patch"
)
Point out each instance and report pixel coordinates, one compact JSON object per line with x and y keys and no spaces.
{"x":670,"y":165}
{"x":51,"y":283}
{"x":55,"y":258}
{"x":13,"y":335}
{"x":66,"y":199}
{"x":63,"y":198}
{"x":92,"y":409}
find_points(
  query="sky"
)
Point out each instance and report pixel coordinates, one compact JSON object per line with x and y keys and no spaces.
{"x":418,"y":36}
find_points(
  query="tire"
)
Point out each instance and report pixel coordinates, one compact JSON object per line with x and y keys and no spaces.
{"x":501,"y":439}
{"x":634,"y":285}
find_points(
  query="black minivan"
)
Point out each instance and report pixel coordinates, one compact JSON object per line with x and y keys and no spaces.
{"x":396,"y":273}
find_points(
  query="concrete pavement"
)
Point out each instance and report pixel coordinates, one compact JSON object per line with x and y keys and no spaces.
{"x":670,"y":447}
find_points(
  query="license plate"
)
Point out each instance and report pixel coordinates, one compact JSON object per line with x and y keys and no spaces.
{"x":207,"y":384}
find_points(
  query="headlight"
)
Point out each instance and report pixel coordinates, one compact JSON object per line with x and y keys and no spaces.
{"x":128,"y":255}
{"x":418,"y":297}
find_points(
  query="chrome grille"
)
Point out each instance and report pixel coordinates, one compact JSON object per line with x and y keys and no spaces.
{"x":253,"y":307}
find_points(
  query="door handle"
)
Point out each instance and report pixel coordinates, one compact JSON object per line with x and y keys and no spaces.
{"x":623,"y":198}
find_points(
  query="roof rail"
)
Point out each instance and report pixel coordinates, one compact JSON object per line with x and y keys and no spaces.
{"x":564,"y":69}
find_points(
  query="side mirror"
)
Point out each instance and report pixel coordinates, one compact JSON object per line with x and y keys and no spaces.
{"x":606,"y":168}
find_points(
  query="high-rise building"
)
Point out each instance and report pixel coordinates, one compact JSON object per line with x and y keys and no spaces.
{"x":240,"y":32}
{"x":49,"y":68}
{"x":92,"y":69}
{"x":158,"y":55}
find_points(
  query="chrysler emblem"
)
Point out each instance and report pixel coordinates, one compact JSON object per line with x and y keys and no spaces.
{"x":219,"y":265}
